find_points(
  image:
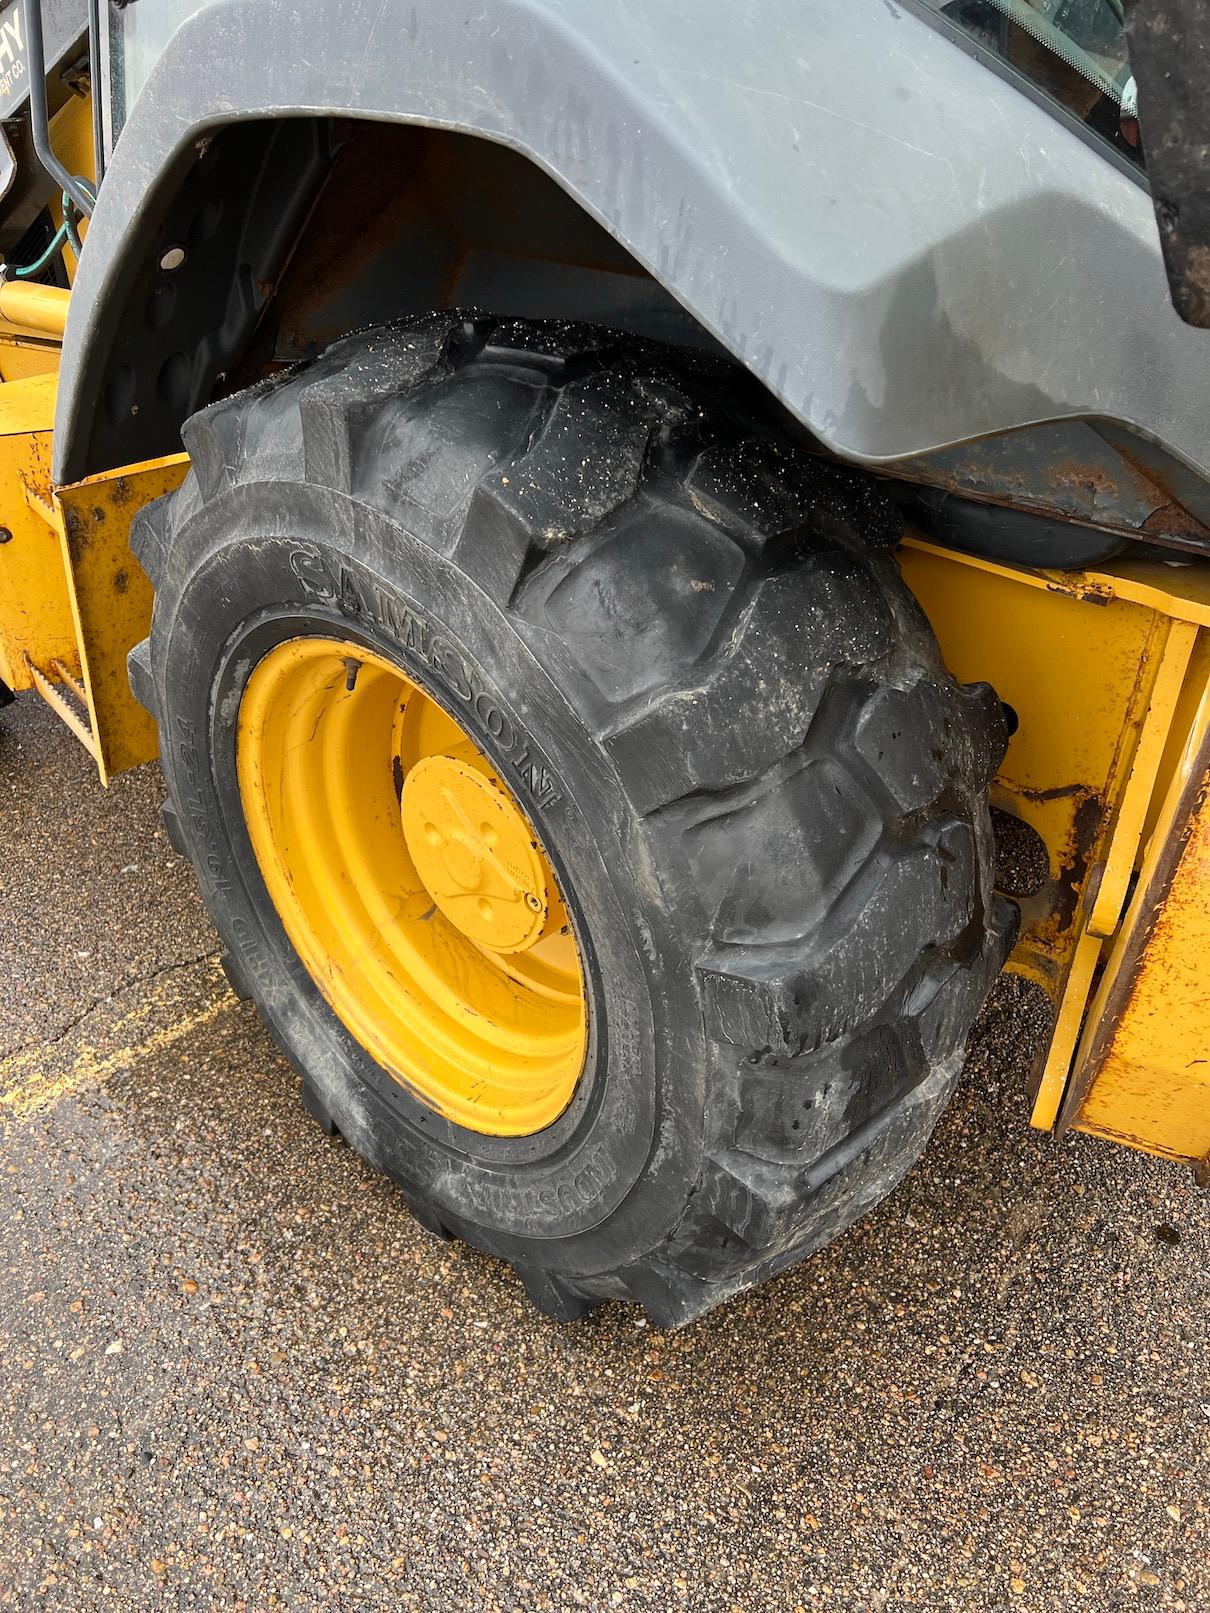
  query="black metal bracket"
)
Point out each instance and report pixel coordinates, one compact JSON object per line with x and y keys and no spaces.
{"x":94,"y":84}
{"x":1170,"y":58}
{"x":39,"y":113}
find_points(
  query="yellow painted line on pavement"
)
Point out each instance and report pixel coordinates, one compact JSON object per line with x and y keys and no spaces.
{"x":26,"y":1087}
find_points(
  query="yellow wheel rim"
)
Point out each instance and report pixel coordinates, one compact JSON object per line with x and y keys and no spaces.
{"x":412,"y":885}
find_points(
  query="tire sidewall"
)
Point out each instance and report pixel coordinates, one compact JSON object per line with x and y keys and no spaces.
{"x":604,"y":1182}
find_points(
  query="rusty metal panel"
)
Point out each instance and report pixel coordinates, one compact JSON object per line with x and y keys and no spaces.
{"x":35,"y":613}
{"x":1142,"y":1075}
{"x":111,"y":600}
{"x":1070,"y":471}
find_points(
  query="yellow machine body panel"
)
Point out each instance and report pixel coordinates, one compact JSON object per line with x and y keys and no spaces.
{"x":36,"y":627}
{"x":1142,"y":1074}
{"x":72,"y":140}
{"x":1108,"y":674}
{"x":26,"y":348}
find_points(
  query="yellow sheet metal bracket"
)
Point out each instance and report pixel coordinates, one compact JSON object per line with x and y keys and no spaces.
{"x":1109,"y":675}
{"x":73,"y":599}
{"x":111,"y":599}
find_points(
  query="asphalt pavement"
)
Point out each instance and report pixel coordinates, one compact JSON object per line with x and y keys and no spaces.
{"x":235,"y":1375}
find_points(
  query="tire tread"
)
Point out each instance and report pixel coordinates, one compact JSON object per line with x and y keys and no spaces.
{"x":788,"y":709}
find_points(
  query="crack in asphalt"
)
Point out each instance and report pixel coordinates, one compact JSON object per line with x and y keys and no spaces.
{"x":35,"y":1042}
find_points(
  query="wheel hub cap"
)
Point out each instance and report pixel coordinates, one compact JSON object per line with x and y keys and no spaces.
{"x":475,"y":853}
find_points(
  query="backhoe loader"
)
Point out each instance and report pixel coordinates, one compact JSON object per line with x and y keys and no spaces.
{"x":609,"y":517}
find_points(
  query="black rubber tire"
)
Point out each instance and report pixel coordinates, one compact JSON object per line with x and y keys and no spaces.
{"x":688,"y":647}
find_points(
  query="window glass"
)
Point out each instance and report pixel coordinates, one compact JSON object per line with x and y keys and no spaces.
{"x":1074,"y":51}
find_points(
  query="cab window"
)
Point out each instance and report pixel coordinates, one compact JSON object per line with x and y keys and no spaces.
{"x":1072,"y":51}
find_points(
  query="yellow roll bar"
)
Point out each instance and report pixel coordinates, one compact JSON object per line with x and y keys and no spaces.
{"x":34,"y":307}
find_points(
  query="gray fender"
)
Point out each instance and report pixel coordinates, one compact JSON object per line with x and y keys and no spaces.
{"x":908,"y":250}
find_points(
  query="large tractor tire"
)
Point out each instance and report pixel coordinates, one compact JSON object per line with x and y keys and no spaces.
{"x":579,"y":793}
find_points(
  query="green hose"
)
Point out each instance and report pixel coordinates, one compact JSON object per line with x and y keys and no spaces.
{"x":66,"y":235}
